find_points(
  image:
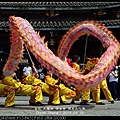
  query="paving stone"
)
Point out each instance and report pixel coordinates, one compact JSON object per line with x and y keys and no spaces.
{"x":22,"y":108}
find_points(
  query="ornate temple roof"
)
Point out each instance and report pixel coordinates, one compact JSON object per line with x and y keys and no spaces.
{"x":58,"y":5}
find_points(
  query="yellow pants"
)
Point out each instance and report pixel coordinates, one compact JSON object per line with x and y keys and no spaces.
{"x":77,"y":96}
{"x":34,"y":92}
{"x":53,"y":94}
{"x":96,"y":92}
{"x":66,"y":93}
{"x":47,"y":89}
{"x":9,"y":92}
{"x":85,"y":95}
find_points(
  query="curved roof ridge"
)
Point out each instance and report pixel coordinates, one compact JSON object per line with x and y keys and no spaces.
{"x":58,"y":5}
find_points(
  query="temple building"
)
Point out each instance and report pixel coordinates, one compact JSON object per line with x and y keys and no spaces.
{"x":54,"y":19}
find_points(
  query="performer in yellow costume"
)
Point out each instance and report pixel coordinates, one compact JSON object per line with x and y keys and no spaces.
{"x":53,"y":84}
{"x":34,"y":92}
{"x":65,"y":93}
{"x":89,"y":66}
{"x":9,"y":92}
{"x":95,"y":91}
{"x":74,"y":64}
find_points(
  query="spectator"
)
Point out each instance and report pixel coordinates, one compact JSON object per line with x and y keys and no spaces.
{"x":113,"y":82}
{"x":40,"y":72}
{"x":27,"y":69}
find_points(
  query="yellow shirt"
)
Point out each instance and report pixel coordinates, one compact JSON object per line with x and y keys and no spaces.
{"x":32,"y":80}
{"x":91,"y":63}
{"x":50,"y":81}
{"x":10,"y":81}
{"x":28,"y":80}
{"x":38,"y":82}
{"x":75,"y":66}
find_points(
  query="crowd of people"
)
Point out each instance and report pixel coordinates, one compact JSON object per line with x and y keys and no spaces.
{"x":35,"y":81}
